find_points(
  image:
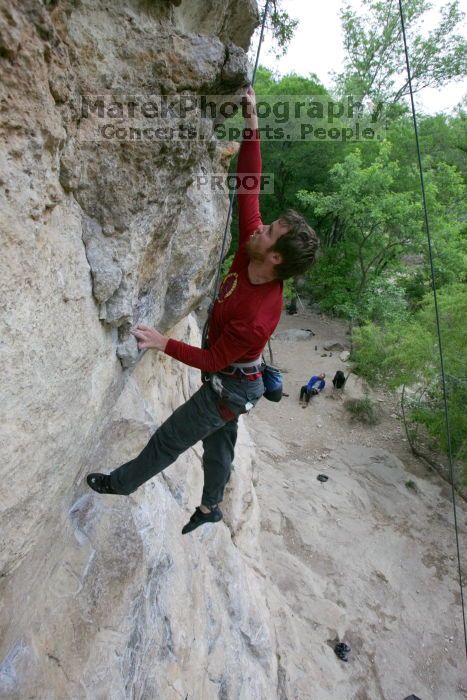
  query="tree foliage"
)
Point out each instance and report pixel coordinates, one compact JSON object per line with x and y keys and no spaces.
{"x":375,"y":60}
{"x":376,"y":224}
{"x":369,"y":216}
{"x":280,"y":24}
{"x":407,"y":353}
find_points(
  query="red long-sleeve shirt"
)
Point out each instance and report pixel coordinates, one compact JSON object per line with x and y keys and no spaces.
{"x":244,"y":315}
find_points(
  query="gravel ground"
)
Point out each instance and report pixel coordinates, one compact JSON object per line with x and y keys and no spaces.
{"x":368,"y":557}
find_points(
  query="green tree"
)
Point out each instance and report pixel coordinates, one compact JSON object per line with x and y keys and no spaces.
{"x":376,"y":223}
{"x":443,"y":139}
{"x":280,"y":24}
{"x":295,"y":164}
{"x":446,"y":200}
{"x":375,"y":59}
{"x":407,"y":353}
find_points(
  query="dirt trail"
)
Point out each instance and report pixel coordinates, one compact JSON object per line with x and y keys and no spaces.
{"x":363,"y":558}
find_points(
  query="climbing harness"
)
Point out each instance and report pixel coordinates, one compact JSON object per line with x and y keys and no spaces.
{"x":437,"y":317}
{"x":244,"y":368}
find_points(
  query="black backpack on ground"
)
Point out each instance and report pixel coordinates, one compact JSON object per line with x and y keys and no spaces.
{"x":339,"y":379}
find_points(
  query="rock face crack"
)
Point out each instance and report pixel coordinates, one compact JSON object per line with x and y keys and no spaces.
{"x":281,"y":679}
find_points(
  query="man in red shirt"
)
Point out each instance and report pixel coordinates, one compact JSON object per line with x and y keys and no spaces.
{"x":245,"y":314}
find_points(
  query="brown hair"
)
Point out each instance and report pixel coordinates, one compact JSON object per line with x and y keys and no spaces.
{"x":297,"y":247}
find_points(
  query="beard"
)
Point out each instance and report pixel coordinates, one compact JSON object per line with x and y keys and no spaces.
{"x":254,"y":254}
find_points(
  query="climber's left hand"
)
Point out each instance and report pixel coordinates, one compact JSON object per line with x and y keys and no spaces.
{"x":149,"y":338}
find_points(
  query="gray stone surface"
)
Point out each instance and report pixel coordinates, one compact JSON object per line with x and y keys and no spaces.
{"x":333,"y":345}
{"x":293,"y":334}
{"x":356,"y":388}
{"x":103,"y":598}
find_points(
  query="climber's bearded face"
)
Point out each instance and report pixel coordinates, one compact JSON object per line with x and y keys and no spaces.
{"x":262,"y":241}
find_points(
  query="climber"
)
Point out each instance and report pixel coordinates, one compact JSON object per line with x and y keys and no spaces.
{"x":247,"y":310}
{"x":314,"y":386}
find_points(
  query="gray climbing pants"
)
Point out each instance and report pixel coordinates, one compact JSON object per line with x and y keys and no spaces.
{"x":210,"y":415}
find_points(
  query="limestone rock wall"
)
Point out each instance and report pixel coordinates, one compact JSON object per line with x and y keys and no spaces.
{"x":102,"y":598}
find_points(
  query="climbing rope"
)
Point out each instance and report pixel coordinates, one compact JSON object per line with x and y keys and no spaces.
{"x":231,"y":201}
{"x":437,"y":316}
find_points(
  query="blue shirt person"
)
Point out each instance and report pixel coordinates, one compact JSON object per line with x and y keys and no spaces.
{"x":314,"y":386}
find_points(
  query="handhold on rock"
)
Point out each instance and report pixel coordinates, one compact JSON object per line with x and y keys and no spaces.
{"x":322,"y":477}
{"x":128,"y":353}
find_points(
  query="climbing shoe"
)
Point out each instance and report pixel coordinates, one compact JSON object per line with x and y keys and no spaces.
{"x":341,"y":650}
{"x":199,"y":518}
{"x":100,"y":483}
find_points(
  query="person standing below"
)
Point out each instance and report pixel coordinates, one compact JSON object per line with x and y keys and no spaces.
{"x":245,"y":314}
{"x":314,"y":386}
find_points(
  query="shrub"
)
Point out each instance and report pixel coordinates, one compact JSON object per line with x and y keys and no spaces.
{"x":362,"y":410}
{"x":410,"y":484}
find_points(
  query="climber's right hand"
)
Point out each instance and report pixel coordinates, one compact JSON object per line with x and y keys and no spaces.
{"x":249,"y":102}
{"x":249,"y":109}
